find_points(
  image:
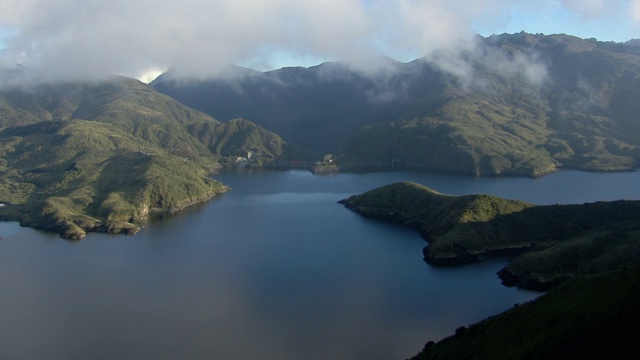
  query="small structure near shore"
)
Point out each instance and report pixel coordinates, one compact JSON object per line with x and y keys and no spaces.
{"x":326,"y":166}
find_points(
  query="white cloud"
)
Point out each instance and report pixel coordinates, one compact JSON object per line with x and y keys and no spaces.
{"x":589,"y":8}
{"x":147,"y":76}
{"x":72,"y":39}
{"x":634,"y":10}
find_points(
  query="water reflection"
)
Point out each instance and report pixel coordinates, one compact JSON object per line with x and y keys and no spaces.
{"x":273,"y":269}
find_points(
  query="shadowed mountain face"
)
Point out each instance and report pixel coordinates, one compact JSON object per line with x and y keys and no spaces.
{"x":101,"y":156}
{"x":589,"y":317}
{"x":508,"y":104}
{"x":318,"y":107}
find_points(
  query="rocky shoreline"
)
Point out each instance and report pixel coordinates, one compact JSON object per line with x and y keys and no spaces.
{"x":462,"y":255}
{"x":71,"y":231}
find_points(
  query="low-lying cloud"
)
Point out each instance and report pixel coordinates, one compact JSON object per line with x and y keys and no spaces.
{"x":467,"y":60}
{"x":90,"y":39}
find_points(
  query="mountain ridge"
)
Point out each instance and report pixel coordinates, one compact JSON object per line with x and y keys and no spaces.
{"x":510,"y":104}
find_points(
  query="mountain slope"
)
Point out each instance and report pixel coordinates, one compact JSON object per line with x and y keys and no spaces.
{"x":239,"y":138}
{"x":510,"y":104}
{"x":101,"y":156}
{"x":589,"y":317}
{"x":76,"y":176}
{"x":317,"y":108}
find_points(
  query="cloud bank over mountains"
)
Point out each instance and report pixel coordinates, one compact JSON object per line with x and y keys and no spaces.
{"x":91,"y":39}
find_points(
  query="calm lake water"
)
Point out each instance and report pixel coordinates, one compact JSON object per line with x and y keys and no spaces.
{"x":274,"y":269}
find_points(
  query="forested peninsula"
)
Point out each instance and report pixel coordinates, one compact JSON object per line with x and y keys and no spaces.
{"x":587,"y":255}
{"x":548,"y":245}
{"x":79,"y":157}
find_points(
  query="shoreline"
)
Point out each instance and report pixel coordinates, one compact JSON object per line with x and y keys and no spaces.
{"x":73,"y":232}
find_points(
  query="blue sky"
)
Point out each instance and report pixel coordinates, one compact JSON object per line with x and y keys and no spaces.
{"x":65,"y":39}
{"x":612,"y":22}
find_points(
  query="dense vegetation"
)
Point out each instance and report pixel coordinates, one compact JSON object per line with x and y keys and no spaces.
{"x":99,"y":157}
{"x":594,"y":316}
{"x":550,"y":244}
{"x":517,"y":104}
{"x":588,"y":254}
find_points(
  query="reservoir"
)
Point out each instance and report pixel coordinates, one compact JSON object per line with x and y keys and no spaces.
{"x":273,"y":269}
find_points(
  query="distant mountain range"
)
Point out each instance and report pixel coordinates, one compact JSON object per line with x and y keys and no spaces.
{"x":518,"y":104}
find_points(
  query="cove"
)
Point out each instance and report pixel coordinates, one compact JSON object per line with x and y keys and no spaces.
{"x":273,"y":269}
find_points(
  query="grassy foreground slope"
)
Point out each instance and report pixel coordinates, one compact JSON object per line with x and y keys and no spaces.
{"x":594,"y":316}
{"x":101,"y":156}
{"x":550,"y":244}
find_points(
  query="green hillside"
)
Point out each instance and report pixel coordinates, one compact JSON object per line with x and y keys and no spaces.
{"x":513,"y":104}
{"x":548,"y":244}
{"x":76,"y":176}
{"x":101,"y":156}
{"x":241,"y":138}
{"x":582,"y":116}
{"x":473,"y":135}
{"x":592,"y":317}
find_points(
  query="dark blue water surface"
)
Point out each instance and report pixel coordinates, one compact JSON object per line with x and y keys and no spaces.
{"x":273,"y":269}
